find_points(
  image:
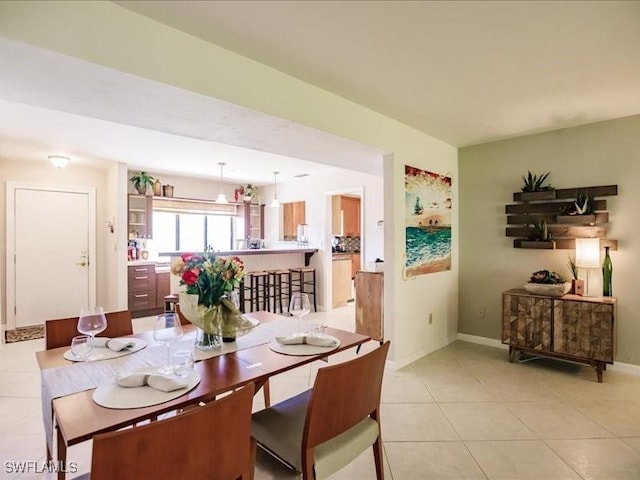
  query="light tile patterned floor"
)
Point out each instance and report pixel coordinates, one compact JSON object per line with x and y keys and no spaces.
{"x":462,"y":412}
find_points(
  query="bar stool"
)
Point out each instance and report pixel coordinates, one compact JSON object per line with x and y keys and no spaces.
{"x":303,"y":279}
{"x":170,"y":303}
{"x":258,"y":291}
{"x":280,"y":281}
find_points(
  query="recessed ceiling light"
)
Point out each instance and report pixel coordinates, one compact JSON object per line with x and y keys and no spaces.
{"x":59,"y":161}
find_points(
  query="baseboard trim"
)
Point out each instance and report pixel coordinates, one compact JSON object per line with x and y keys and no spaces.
{"x":492,"y":342}
{"x":393,"y":365}
{"x":3,"y":340}
{"x":489,"y":342}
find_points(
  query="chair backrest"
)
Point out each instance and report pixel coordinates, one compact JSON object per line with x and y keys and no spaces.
{"x":343,"y":395}
{"x":183,"y":319}
{"x":58,"y":333}
{"x":207,"y":442}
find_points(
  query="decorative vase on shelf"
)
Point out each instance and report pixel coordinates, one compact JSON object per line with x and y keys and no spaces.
{"x":607,"y":274}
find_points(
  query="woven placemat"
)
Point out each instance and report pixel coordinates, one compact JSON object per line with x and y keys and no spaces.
{"x":24,"y":333}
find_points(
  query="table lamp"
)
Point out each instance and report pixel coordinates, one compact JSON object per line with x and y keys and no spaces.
{"x":587,"y":256}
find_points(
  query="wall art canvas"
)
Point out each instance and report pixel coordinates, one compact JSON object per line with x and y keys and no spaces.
{"x":428,"y":201}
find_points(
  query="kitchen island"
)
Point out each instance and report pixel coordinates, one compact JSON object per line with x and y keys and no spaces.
{"x":307,"y":252}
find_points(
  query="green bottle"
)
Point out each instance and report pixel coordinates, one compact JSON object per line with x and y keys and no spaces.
{"x":607,"y":273}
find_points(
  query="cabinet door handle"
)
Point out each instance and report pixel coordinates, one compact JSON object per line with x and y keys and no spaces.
{"x":140,"y":269}
{"x":141,"y":278}
{"x":142,"y":295}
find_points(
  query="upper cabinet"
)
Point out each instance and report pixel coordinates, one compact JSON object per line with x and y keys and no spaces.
{"x":345,"y":216}
{"x":350,"y":216}
{"x":293,"y":214}
{"x":553,"y":219}
{"x":140,"y":216}
{"x":253,"y":215}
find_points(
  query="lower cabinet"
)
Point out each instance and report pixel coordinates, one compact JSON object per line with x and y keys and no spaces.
{"x":147,"y":290}
{"x":572,"y":327}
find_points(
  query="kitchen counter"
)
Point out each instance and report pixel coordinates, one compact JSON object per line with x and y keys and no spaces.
{"x":308,"y":252}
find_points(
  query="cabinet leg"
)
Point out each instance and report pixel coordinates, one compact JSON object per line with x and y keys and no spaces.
{"x":358,"y":349}
{"x":598,"y":367}
{"x":512,"y":354}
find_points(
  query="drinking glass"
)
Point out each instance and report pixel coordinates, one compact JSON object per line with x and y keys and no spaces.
{"x":92,"y":321}
{"x":299,"y":307}
{"x":81,"y":347}
{"x":167,"y":330}
{"x":182,"y":362}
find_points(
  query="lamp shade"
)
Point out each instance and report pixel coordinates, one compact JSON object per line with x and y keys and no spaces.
{"x":587,"y":252}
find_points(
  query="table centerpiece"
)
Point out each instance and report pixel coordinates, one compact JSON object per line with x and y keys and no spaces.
{"x":206,"y":302}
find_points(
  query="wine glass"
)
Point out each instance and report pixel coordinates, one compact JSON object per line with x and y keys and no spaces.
{"x":92,"y":321}
{"x":299,"y":306}
{"x":167,"y":330}
{"x":81,"y":347}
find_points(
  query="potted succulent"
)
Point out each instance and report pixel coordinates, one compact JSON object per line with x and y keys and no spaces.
{"x":577,"y":285}
{"x":141,"y":180}
{"x":546,"y":282}
{"x":535,"y":182}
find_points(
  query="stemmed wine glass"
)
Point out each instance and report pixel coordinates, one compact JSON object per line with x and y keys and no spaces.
{"x":299,"y":306}
{"x":167,"y":330}
{"x":92,"y":321}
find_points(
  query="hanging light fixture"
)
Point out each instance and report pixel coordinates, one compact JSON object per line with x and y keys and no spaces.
{"x":59,"y":161}
{"x":275,"y":203}
{"x":221,"y":198}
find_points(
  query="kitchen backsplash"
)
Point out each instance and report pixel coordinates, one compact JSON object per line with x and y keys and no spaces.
{"x":349,"y":244}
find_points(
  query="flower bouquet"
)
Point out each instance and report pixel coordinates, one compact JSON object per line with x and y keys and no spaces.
{"x":206,"y":302}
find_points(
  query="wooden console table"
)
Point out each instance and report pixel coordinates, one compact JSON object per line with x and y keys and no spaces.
{"x":571,"y":327}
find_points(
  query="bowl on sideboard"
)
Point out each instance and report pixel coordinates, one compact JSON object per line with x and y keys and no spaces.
{"x":549,"y":289}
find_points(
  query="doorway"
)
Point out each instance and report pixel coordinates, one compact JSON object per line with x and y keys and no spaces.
{"x":345,"y":233}
{"x":50,"y":253}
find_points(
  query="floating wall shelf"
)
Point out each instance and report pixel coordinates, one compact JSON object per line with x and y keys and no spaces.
{"x":547,"y":206}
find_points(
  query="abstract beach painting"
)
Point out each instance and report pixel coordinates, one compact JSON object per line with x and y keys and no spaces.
{"x":428,"y":201}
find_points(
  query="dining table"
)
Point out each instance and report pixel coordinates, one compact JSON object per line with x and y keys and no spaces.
{"x":72,"y":416}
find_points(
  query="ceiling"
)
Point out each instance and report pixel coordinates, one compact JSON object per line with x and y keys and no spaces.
{"x":466,"y":72}
{"x":463,"y":72}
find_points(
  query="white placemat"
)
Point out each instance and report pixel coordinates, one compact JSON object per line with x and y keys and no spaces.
{"x":112,"y":395}
{"x":302,"y":349}
{"x":105,"y":353}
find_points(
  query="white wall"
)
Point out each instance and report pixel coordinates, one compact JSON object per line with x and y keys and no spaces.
{"x":106,"y":34}
{"x":605,"y":153}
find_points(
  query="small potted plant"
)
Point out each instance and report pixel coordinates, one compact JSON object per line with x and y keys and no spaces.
{"x":141,"y":180}
{"x":577,"y":285}
{"x":546,"y":282}
{"x":251,"y":192}
{"x":535,"y":183}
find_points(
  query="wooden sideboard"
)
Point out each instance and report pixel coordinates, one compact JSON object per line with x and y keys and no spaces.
{"x":571,"y":327}
{"x":369,"y":288}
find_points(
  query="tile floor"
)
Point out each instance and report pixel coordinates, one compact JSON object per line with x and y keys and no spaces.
{"x":462,"y":412}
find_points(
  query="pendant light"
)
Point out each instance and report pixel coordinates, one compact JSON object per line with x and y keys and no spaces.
{"x":221,"y":198}
{"x":275,"y":203}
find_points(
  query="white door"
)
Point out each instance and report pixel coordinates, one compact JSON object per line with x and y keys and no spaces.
{"x":54,"y":275}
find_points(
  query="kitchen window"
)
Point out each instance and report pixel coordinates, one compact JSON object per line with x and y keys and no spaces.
{"x":192,"y":226}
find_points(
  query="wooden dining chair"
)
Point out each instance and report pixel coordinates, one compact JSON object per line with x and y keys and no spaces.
{"x":265,"y":388}
{"x":212,"y":441}
{"x":58,"y":333}
{"x":320,"y":431}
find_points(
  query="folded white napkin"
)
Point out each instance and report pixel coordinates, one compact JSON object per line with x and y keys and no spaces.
{"x":115,"y":344}
{"x":315,"y":340}
{"x":159,"y":382}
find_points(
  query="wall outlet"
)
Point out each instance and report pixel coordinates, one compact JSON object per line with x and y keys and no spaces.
{"x":430,"y":318}
{"x":481,"y":313}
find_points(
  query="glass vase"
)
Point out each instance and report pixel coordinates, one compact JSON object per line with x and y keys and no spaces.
{"x":207,"y":341}
{"x":607,"y":274}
